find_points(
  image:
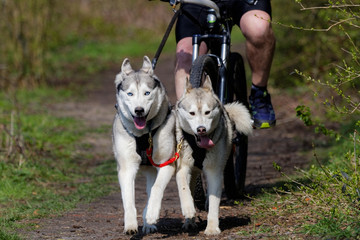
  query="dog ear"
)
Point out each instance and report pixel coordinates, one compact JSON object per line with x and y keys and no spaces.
{"x":147,"y":66}
{"x":207,"y":83}
{"x":126,"y":67}
{"x":188,"y":85}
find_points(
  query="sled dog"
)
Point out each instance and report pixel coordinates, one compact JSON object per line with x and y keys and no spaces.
{"x":143,"y":115}
{"x":206,"y":128}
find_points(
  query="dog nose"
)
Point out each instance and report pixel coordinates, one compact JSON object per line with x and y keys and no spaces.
{"x":201,"y":130}
{"x":139,"y":111}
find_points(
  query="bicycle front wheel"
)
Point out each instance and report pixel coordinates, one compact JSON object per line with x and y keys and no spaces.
{"x":203,"y":66}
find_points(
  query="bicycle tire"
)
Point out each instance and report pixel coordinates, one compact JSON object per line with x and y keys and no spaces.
{"x":235,"y":169}
{"x":202,"y":66}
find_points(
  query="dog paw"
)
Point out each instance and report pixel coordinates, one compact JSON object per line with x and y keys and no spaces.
{"x":131,"y":231}
{"x":212,"y":231}
{"x":131,"y":227}
{"x":148,"y":228}
{"x":189,"y":224}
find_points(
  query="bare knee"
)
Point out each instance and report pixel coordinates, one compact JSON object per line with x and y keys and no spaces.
{"x":257,"y":30}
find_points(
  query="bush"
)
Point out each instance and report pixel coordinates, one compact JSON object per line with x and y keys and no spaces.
{"x":333,"y":189}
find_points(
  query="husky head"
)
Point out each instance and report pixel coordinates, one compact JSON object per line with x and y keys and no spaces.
{"x":139,"y":93}
{"x":199,"y":112}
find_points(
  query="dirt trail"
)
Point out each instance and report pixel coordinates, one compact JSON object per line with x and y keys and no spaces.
{"x":103,"y":218}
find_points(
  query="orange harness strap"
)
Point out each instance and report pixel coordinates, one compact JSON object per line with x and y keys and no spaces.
{"x":171,"y":160}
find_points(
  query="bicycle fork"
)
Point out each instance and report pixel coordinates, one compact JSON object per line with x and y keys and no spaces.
{"x":221,"y":61}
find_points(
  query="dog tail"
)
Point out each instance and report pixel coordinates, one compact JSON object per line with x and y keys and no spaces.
{"x":240,"y":115}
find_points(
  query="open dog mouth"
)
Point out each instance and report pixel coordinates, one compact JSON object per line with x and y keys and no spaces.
{"x":140,"y":122}
{"x":203,"y":141}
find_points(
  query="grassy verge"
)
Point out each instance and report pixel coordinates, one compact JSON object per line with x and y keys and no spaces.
{"x":41,"y":174}
{"x":322,"y":202}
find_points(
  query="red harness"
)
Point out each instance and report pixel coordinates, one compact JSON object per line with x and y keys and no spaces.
{"x":171,"y":160}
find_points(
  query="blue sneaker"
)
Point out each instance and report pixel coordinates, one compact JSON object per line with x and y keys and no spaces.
{"x":261,"y":108}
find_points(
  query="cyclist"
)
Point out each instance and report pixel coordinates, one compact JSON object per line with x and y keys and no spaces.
{"x":253,"y":18}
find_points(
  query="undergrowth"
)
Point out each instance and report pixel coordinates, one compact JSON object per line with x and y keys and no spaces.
{"x":325,"y":199}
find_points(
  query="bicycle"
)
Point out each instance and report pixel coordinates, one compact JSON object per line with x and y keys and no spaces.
{"x":227,"y":73}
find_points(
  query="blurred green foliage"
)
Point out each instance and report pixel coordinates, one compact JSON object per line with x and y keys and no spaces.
{"x":310,"y":39}
{"x":45,"y":41}
{"x":41,"y":39}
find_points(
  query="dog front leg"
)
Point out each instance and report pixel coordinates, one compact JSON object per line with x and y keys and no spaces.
{"x":157,"y":192}
{"x":150,"y":174}
{"x":127,"y":184}
{"x":183,"y":177}
{"x":214,"y":181}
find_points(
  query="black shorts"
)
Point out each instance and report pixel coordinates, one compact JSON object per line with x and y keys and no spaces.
{"x":236,"y":9}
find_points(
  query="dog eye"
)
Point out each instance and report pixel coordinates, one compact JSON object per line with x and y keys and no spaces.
{"x":147,"y":93}
{"x":207,"y":112}
{"x":130,"y":94}
{"x":192,"y":113}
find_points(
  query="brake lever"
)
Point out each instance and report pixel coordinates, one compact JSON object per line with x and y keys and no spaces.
{"x":252,"y":2}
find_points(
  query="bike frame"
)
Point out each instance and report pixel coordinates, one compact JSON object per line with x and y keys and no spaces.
{"x":222,"y":60}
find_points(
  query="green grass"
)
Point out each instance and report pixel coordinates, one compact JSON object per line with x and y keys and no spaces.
{"x":7,"y":236}
{"x":43,"y":175}
{"x":89,"y":57}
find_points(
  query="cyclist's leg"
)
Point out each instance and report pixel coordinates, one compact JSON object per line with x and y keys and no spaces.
{"x":183,"y":63}
{"x":255,"y":24}
{"x":260,"y":44}
{"x":185,"y":29}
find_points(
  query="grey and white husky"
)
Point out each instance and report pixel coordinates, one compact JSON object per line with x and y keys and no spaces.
{"x":206,"y":128}
{"x":143,"y":114}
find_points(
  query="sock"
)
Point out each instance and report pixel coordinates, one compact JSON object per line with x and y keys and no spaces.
{"x":253,"y":86}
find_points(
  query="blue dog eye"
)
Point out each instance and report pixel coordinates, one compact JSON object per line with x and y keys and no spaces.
{"x":130,"y":94}
{"x":147,"y":93}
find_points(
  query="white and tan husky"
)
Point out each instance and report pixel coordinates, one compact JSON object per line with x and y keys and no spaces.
{"x":143,"y":113}
{"x":206,"y":128}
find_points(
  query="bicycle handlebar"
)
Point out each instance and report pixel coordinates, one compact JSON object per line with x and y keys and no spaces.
{"x":205,"y":3}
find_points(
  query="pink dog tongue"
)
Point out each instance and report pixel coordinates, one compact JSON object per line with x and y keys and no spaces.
{"x":140,"y":122}
{"x":206,"y":142}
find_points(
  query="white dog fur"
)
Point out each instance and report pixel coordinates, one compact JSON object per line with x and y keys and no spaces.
{"x":200,"y":113}
{"x":142,"y":106}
